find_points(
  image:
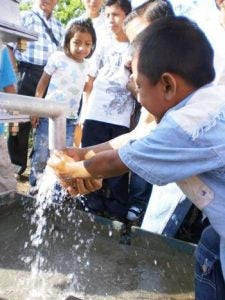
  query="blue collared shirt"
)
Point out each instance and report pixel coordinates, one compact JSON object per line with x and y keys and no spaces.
{"x":188,"y":147}
{"x":37,"y":52}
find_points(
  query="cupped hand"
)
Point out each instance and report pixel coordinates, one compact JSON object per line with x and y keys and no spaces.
{"x":60,"y":162}
{"x":83,"y":186}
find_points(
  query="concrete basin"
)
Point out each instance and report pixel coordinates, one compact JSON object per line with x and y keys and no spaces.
{"x":87,"y":257}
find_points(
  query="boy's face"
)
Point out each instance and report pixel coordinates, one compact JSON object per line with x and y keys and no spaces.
{"x":152,"y":97}
{"x":160,"y":97}
{"x":115,"y":17}
{"x":221,"y":5}
{"x":220,"y":2}
{"x":47,"y":5}
{"x":93,"y":6}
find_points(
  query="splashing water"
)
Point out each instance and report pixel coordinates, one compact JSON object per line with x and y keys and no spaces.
{"x":46,"y":228}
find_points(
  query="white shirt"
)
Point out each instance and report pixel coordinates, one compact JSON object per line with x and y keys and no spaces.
{"x":67,"y":81}
{"x":110,"y":100}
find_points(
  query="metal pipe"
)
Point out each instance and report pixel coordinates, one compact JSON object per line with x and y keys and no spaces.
{"x":55,"y":111}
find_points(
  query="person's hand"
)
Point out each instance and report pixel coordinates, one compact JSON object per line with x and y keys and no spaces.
{"x":128,"y":64}
{"x":71,"y":152}
{"x":34,"y":121}
{"x":131,"y":86}
{"x":60,"y":162}
{"x":83,"y":186}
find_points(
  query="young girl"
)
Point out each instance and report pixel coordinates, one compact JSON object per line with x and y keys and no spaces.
{"x":63,"y":79}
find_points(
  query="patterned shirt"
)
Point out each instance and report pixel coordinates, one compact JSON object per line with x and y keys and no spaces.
{"x":67,"y":81}
{"x":37,"y":52}
{"x":109,"y":100}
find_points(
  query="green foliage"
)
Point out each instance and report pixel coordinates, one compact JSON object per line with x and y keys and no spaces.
{"x":64,"y":11}
{"x":26,"y":5}
{"x":67,"y":9}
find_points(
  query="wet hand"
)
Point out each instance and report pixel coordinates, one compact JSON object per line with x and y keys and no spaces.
{"x":84,"y":186}
{"x":60,"y":162}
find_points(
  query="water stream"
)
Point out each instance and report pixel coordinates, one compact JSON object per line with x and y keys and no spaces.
{"x":52,"y":251}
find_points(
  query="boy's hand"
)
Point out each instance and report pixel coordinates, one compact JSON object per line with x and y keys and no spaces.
{"x":84,"y":186}
{"x":60,"y":162}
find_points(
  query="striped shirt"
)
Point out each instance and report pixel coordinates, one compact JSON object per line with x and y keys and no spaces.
{"x":37,"y":52}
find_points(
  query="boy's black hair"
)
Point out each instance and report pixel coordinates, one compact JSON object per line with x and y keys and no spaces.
{"x":150,"y":10}
{"x":124,"y":4}
{"x":158,"y":9}
{"x":80,"y":25}
{"x":176,"y":45}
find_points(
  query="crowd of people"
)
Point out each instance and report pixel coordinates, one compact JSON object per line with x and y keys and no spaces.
{"x":136,"y":81}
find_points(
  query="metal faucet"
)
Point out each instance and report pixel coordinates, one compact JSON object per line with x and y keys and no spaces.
{"x":32,"y":106}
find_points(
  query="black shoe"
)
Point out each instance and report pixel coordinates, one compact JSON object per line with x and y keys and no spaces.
{"x":33,"y":191}
{"x":21,"y":170}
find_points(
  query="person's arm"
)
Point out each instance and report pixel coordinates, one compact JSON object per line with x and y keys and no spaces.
{"x":86,"y":92}
{"x":82,"y":158}
{"x":145,"y":124}
{"x":40,"y":92}
{"x":10,"y":89}
{"x":102,"y":165}
{"x":42,"y":85}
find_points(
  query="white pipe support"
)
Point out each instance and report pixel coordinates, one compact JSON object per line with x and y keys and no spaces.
{"x":33,"y":106}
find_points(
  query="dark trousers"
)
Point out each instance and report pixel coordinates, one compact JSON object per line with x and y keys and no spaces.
{"x":18,"y":145}
{"x":140,"y":191}
{"x":113,"y":197}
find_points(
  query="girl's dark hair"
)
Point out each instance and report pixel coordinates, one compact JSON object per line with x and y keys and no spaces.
{"x":80,"y":25}
{"x":124,"y":4}
{"x":176,"y":45}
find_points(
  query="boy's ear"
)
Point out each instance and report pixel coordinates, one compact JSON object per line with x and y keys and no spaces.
{"x":169,"y":85}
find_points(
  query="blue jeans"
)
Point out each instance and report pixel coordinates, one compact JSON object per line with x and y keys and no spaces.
{"x":112,"y":199}
{"x":178,"y":216}
{"x":40,"y":151}
{"x":209,"y":281}
{"x":140,"y":191}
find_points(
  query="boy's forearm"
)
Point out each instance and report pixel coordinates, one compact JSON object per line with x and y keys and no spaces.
{"x":102,"y":165}
{"x":89,"y":152}
{"x":114,"y":144}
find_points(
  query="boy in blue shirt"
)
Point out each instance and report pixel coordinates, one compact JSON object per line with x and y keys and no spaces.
{"x":7,"y":84}
{"x":173,"y":69}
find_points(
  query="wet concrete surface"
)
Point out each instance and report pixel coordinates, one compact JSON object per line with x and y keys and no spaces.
{"x":82,"y":256}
